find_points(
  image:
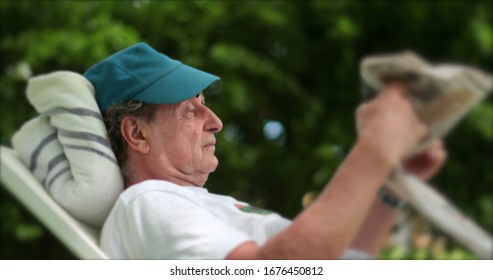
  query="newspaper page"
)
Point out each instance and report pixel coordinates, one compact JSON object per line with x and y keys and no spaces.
{"x":442,"y":94}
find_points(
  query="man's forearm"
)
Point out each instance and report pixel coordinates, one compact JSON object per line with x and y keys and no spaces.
{"x":327,"y":227}
{"x":375,"y":229}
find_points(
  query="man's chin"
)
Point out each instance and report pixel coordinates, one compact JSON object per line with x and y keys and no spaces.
{"x":213,"y":165}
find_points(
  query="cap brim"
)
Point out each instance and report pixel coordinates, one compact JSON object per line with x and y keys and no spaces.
{"x":181,"y":84}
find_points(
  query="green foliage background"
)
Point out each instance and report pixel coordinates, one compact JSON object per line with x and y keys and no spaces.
{"x":288,"y":61}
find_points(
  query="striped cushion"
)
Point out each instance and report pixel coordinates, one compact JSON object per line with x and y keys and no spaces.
{"x":66,"y":146}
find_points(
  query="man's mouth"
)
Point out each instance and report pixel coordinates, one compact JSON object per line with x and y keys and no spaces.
{"x":210,"y":144}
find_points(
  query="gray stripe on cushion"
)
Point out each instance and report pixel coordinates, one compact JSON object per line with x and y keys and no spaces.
{"x":89,"y":149}
{"x":61,"y":157}
{"x":37,"y":150}
{"x":56,"y":160}
{"x":58,"y":174}
{"x":85,"y":136}
{"x":75,"y":111}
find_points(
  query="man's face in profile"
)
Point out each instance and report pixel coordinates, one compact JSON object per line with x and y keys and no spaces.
{"x":182,"y":140}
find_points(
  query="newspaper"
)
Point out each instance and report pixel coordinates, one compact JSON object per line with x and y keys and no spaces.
{"x":441,"y":95}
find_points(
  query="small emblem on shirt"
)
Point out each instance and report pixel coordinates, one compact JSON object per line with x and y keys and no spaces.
{"x":251,"y":209}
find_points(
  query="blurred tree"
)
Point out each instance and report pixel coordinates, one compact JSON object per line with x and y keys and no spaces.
{"x":290,"y":72}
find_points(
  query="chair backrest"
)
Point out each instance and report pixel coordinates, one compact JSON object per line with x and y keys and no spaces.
{"x":79,"y":238}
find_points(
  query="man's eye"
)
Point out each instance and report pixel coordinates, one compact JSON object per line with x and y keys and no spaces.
{"x":191,"y":108}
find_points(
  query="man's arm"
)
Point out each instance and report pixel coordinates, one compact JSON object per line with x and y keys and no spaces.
{"x":387,"y":129}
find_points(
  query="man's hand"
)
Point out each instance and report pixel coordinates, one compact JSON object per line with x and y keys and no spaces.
{"x":427,"y":163}
{"x":389,"y":124}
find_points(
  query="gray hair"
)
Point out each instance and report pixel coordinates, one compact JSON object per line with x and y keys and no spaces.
{"x":113,"y":117}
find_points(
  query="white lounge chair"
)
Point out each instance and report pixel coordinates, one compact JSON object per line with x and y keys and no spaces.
{"x":80,"y":239}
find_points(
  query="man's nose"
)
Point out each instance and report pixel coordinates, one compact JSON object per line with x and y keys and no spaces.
{"x":214,"y":123}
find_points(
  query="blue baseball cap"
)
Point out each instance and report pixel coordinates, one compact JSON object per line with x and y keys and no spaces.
{"x":141,"y":73}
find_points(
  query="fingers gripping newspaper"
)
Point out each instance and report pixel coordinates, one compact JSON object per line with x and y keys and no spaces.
{"x":441,"y":95}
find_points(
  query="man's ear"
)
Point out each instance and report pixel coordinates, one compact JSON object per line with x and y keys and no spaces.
{"x":135,"y":134}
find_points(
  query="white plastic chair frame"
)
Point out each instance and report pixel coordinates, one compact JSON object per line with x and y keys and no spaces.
{"x":80,"y":239}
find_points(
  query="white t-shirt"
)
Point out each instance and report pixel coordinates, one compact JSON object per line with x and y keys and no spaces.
{"x":160,"y":220}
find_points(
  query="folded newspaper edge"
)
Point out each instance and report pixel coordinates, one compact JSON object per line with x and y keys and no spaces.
{"x":442,"y":95}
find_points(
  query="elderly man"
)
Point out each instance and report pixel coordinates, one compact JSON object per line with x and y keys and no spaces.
{"x":164,"y":137}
